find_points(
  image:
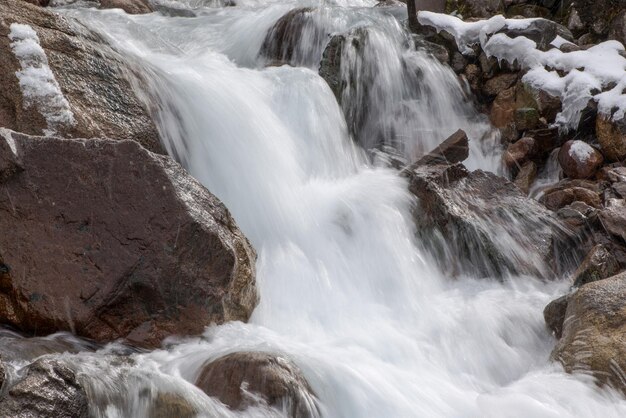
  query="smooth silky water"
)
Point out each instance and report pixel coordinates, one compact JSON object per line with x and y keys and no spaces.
{"x":345,"y":291}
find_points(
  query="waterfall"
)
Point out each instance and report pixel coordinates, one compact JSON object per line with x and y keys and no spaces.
{"x":345,"y":289}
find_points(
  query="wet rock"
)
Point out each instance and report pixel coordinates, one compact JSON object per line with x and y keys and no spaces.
{"x":594,"y":331}
{"x":169,"y":405}
{"x":612,"y":137}
{"x":499,"y":83}
{"x":132,"y":7}
{"x":542,"y":31}
{"x":439,"y":52}
{"x":99,"y":228}
{"x":283,"y":39}
{"x":473,"y":76}
{"x":620,"y":189}
{"x":519,"y":152}
{"x":554,"y":315}
{"x":526,"y":118}
{"x":596,"y":15}
{"x":503,"y":109}
{"x":275,"y":378}
{"x":455,"y":149}
{"x":458,"y":62}
{"x":576,"y":214}
{"x":96,"y":81}
{"x":546,"y":105}
{"x":613,"y":218}
{"x":579,"y":160}
{"x":562,"y":195}
{"x":480,"y":222}
{"x":597,"y":265}
{"x":475,"y":8}
{"x":49,"y":388}
{"x":526,"y":177}
{"x":617,"y":29}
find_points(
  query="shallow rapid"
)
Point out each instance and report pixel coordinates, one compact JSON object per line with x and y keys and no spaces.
{"x":345,"y":289}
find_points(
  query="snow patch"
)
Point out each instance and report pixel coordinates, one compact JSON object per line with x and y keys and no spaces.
{"x":580,"y":150}
{"x":583,"y":74}
{"x":37,"y":82}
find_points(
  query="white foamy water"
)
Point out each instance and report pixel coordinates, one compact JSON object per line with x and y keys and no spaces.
{"x":345,"y":291}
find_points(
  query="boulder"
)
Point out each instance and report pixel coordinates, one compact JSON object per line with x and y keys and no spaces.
{"x":579,"y":160}
{"x":283,"y":41}
{"x":554,"y":315}
{"x":526,"y":177}
{"x":481,"y":223}
{"x":277,"y":380}
{"x":519,"y":152}
{"x":612,"y":137}
{"x":597,"y":265}
{"x":617,"y":29}
{"x":503,"y":108}
{"x":499,"y":83}
{"x":560,"y":196}
{"x":613,"y":218}
{"x":49,"y":388}
{"x":455,"y":149}
{"x":170,"y":405}
{"x":132,"y":7}
{"x":526,"y":118}
{"x":596,"y":15}
{"x":94,"y":84}
{"x":111,"y":241}
{"x":594,"y":331}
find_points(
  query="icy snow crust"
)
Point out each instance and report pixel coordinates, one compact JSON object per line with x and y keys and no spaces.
{"x":580,"y":150}
{"x":587,"y":72}
{"x":37,"y":82}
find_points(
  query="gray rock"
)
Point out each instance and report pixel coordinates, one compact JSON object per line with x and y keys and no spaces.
{"x":48,"y":389}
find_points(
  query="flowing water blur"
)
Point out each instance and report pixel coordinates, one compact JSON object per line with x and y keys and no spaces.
{"x":345,"y":291}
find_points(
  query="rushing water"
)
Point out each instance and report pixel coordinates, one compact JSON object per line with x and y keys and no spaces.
{"x":345,"y":291}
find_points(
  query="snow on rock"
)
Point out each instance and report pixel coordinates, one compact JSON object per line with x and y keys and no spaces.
{"x":575,"y":77}
{"x":37,"y":82}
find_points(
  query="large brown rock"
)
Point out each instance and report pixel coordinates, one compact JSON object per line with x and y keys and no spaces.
{"x":594,"y":331}
{"x":503,"y":109}
{"x":96,"y":81}
{"x":579,"y":160}
{"x":275,"y":378}
{"x":480,"y":222}
{"x":567,"y":191}
{"x":49,"y":388}
{"x":612,"y":137}
{"x":111,"y":241}
{"x":599,"y":264}
{"x":454,"y":149}
{"x":519,"y":152}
